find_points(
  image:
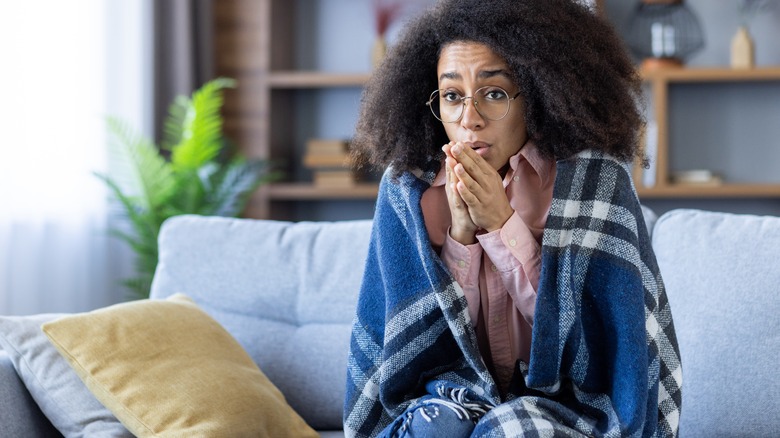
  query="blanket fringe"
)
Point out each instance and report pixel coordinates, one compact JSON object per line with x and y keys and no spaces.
{"x":460,"y":403}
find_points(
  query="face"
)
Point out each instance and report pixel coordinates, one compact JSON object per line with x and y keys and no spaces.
{"x":465,"y":67}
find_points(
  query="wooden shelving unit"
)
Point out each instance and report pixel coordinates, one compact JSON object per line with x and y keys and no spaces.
{"x":712,"y":75}
{"x":303,"y":80}
{"x":660,"y":82}
{"x":284,"y":83}
{"x":255,"y":44}
{"x":720,"y":191}
{"x":307,"y":191}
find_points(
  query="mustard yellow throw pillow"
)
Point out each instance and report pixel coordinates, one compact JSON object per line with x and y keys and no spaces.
{"x":167,"y":369}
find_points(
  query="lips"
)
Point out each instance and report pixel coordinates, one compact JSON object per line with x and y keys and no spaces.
{"x":480,"y":147}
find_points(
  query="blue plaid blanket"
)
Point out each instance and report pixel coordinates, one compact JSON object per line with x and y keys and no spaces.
{"x":604,"y":357}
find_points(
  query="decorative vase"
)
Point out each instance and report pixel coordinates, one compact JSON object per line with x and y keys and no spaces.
{"x":742,"y":50}
{"x":378,"y":51}
{"x":664,"y":33}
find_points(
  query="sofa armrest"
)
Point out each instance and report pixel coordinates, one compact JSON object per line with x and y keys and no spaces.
{"x":721,"y":277}
{"x":19,"y":414}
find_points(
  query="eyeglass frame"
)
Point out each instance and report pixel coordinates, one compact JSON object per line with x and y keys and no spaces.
{"x":476,"y":104}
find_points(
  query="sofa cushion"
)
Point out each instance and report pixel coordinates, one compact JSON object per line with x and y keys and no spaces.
{"x":165,"y":368}
{"x":57,"y":390}
{"x":20,"y":415}
{"x":650,"y":218}
{"x":286,"y":291}
{"x":723,"y":285}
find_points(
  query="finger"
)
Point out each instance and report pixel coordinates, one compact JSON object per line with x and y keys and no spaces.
{"x":452,"y":197}
{"x":447,"y":149}
{"x":471,"y":179}
{"x":449,"y":164}
{"x":473,"y":163}
{"x":468,"y":197}
{"x":455,"y":200}
{"x":477,"y":158}
{"x":480,"y":163}
{"x":468,"y":188}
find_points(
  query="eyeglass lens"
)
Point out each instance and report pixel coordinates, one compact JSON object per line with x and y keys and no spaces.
{"x":492,"y":103}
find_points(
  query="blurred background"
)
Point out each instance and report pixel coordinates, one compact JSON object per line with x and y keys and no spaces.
{"x":300,"y":66}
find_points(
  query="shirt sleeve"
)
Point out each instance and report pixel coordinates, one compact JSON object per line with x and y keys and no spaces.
{"x":464,"y":262}
{"x":516,"y":257}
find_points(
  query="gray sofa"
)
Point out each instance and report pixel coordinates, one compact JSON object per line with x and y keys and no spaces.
{"x":287,"y":292}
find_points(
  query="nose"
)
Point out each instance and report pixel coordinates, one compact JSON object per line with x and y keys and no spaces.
{"x":471,"y":118}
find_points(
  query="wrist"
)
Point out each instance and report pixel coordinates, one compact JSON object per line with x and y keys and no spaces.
{"x":463,"y":236}
{"x":502,"y":220}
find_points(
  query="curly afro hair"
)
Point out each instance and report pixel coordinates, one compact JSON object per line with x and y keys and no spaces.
{"x":580,"y":87}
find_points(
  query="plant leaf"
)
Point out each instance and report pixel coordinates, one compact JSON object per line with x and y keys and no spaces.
{"x":151,"y":189}
{"x":232,"y":187}
{"x":201,"y":135}
{"x":150,"y":174}
{"x":174,"y":123}
{"x":144,"y":225}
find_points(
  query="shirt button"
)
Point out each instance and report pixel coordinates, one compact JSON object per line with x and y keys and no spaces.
{"x":497,"y":319}
{"x":461,"y":264}
{"x":516,"y":179}
{"x":513,"y":243}
{"x":494,"y":268}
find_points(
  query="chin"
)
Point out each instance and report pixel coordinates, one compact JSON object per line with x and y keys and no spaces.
{"x":494,"y":165}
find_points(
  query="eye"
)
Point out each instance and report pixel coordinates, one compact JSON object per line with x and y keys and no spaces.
{"x":450,"y":96}
{"x":495,"y":94}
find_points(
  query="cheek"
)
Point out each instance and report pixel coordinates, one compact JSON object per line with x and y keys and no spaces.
{"x":520,"y":135}
{"x":519,"y":132}
{"x":451,"y":129}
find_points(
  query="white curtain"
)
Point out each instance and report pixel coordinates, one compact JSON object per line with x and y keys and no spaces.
{"x":66,"y":66}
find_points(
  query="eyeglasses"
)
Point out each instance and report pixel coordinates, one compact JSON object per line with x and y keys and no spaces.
{"x":492,"y":103}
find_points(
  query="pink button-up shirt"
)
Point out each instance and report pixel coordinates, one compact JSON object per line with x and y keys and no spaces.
{"x":500,"y":273}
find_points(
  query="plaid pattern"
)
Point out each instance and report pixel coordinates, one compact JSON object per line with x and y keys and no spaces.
{"x":595,"y":368}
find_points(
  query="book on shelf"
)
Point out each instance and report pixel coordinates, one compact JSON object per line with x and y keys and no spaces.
{"x":326,"y":153}
{"x":321,"y":147}
{"x":334,"y":178}
{"x":314,"y":161}
{"x":330,"y":163}
{"x":699,"y":177}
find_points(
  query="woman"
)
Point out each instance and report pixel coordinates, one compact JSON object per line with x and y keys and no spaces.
{"x":510,"y":287}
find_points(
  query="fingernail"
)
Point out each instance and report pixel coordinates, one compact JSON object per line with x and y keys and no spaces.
{"x":456,"y":149}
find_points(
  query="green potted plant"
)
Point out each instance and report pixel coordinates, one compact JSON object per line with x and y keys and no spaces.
{"x":192,"y":172}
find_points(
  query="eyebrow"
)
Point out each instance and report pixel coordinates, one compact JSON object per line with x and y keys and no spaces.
{"x":484,"y":74}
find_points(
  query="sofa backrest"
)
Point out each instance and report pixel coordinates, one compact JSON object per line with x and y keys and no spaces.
{"x":722,"y":277}
{"x":286,"y":291}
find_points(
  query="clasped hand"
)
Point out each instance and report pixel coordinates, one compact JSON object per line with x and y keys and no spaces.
{"x":475,"y":193}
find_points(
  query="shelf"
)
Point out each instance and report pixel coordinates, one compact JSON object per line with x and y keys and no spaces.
{"x":256,"y":42}
{"x":716,"y":191}
{"x":296,"y":80}
{"x":713,"y":74}
{"x":307,"y":191}
{"x":661,"y":82}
